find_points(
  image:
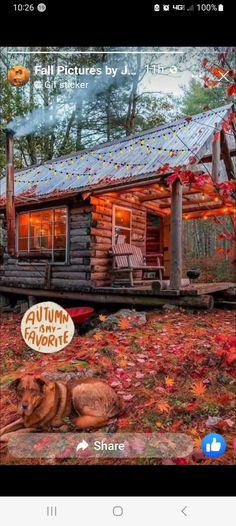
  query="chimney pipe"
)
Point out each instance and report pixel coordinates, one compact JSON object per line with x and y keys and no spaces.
{"x":10,"y":203}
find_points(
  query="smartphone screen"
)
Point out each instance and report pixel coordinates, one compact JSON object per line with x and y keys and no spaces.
{"x":117,"y":272}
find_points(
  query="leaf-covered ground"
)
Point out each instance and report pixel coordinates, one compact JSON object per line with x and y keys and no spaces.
{"x":175,"y":374}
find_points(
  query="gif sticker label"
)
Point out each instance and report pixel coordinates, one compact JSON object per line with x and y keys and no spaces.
{"x":47,"y":327}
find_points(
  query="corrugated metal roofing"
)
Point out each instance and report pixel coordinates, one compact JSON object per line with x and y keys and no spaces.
{"x":134,"y":157}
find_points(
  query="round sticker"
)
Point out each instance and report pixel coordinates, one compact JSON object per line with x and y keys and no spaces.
{"x":47,"y":327}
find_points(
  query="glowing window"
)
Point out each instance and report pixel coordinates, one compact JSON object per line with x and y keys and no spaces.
{"x":43,"y":233}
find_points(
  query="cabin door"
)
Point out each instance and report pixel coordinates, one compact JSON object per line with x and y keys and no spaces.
{"x":154,"y":237}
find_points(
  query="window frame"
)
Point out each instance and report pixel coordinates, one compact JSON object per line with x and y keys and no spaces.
{"x":115,"y":207}
{"x":28,"y":253}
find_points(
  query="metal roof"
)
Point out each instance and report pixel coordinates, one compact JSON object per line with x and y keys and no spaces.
{"x":137,"y":156}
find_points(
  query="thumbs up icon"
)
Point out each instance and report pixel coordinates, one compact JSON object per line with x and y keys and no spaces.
{"x":213,"y":445}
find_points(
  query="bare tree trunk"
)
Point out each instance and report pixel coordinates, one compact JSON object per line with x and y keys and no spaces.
{"x":67,"y":133}
{"x":132,"y":104}
{"x":197,"y":238}
{"x":78,"y":117}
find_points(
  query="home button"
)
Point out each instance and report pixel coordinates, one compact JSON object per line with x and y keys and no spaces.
{"x":118,"y":511}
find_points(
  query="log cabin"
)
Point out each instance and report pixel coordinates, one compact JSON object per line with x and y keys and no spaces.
{"x":64,"y":216}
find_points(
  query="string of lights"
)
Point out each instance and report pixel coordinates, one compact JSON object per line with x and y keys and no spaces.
{"x":148,"y":146}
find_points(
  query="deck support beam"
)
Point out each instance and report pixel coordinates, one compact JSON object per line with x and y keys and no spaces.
{"x":176,"y":235}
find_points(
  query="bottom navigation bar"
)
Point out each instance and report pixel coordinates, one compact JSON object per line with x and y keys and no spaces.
{"x":124,"y":511}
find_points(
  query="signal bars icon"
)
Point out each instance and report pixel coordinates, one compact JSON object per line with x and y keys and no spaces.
{"x":191,"y":8}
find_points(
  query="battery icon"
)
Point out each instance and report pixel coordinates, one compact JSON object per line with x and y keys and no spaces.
{"x":220,"y":7}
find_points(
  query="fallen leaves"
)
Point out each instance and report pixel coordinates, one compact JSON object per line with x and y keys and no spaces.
{"x":102,"y":317}
{"x":198,"y":389}
{"x":98,"y":336}
{"x":123,"y":324}
{"x":175,"y":375}
{"x":197,"y":442}
{"x":163,"y":407}
{"x":169,"y":381}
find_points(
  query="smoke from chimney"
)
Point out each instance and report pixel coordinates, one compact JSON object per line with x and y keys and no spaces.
{"x":46,"y":118}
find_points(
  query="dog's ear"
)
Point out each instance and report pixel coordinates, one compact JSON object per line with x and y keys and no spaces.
{"x":41,"y":383}
{"x":15,"y":384}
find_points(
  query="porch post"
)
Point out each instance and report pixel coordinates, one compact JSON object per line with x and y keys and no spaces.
{"x":216,"y":147}
{"x":176,"y":236}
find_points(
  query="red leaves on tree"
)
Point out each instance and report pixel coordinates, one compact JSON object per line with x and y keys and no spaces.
{"x":227,"y":125}
{"x":193,"y":159}
{"x":232,"y":117}
{"x":172,"y":178}
{"x":217,"y":71}
{"x":231,"y":90}
{"x":209,"y":83}
{"x":164,"y":169}
{"x":222,"y":57}
{"x":187,"y":177}
{"x":226,"y":188}
{"x":205,"y":62}
{"x":226,"y":235}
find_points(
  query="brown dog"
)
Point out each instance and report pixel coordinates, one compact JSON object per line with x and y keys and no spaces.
{"x":43,"y":405}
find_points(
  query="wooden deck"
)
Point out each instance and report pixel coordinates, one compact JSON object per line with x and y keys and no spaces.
{"x":195,"y":289}
{"x":195,"y":295}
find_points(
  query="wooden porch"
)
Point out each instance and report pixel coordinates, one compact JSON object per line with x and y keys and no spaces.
{"x":197,"y":295}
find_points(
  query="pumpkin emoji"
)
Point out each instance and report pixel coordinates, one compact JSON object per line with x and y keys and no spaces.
{"x":18,"y":76}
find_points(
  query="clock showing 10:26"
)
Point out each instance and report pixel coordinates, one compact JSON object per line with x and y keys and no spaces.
{"x":29,"y":7}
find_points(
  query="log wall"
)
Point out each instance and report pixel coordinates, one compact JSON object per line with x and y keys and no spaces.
{"x":101,"y":235}
{"x":75,"y":274}
{"x":89,"y":241}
